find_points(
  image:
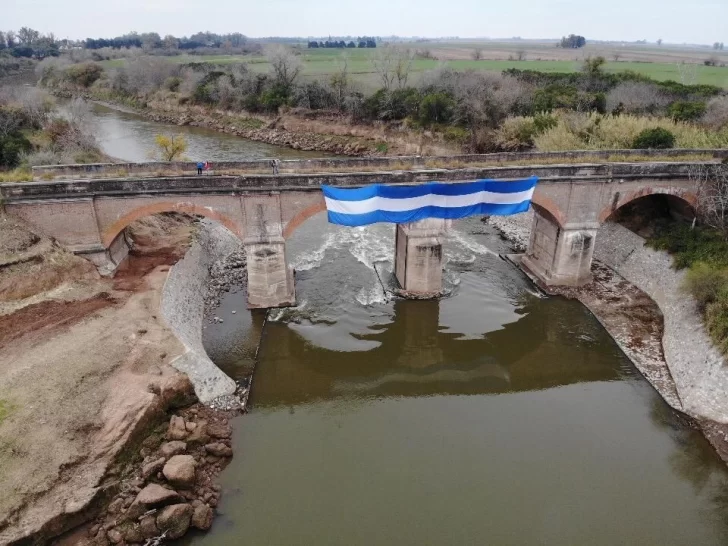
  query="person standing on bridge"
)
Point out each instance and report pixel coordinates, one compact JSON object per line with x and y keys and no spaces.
{"x":200,"y":166}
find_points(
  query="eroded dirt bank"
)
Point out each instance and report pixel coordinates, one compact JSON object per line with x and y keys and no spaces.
{"x":85,"y":387}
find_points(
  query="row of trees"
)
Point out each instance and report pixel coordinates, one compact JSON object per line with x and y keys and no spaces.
{"x":341,"y":44}
{"x":29,"y":43}
{"x":152,"y":40}
{"x":718,"y":46}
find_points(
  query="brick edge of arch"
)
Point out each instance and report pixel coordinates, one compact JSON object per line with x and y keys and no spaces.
{"x":112,"y":232}
{"x":541,"y":201}
{"x":688,"y":197}
{"x":295,"y":222}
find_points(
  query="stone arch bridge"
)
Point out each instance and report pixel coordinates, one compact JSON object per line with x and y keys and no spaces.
{"x":571,"y":201}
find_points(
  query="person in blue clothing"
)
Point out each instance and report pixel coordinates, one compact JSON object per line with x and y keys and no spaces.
{"x":200,"y":166}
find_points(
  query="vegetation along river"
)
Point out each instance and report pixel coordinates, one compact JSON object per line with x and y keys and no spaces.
{"x":493,"y":416}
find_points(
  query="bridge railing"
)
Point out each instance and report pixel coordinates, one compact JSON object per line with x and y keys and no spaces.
{"x":262,"y":166}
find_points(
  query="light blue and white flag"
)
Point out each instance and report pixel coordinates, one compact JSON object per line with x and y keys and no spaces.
{"x":403,"y":204}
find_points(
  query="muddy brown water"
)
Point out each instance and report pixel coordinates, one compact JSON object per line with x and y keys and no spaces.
{"x":493,"y":416}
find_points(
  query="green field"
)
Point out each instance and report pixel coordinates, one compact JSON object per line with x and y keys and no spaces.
{"x":323,"y":62}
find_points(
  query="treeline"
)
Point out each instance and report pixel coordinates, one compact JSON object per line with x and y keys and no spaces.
{"x":483,"y":111}
{"x":572,"y":41}
{"x":361,"y":43}
{"x":29,"y":43}
{"x":152,"y":40}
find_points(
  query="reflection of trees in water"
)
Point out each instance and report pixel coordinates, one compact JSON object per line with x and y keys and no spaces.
{"x":693,"y":458}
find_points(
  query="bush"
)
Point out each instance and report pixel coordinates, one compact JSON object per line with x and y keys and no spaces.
{"x":716,"y":113}
{"x":436,"y":108}
{"x":706,"y":282}
{"x":657,"y":139}
{"x":716,"y":319}
{"x":12,"y":147}
{"x":84,"y":75}
{"x":686,"y":111}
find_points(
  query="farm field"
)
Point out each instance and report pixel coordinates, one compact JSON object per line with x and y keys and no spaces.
{"x":684,"y":65}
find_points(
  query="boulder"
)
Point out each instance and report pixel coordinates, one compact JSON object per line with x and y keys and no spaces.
{"x":152,"y":496}
{"x":132,"y":533}
{"x":171,"y":449}
{"x":219,"y":430}
{"x":180,"y":470}
{"x":202,"y":517}
{"x":177,"y":391}
{"x":219,"y":449}
{"x":151,"y":468}
{"x":176,"y":430}
{"x":148,"y":527}
{"x":114,"y":536}
{"x":174,"y":520}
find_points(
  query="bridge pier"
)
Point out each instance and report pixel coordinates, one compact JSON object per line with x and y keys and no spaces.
{"x":559,"y":255}
{"x":107,"y":260}
{"x":418,"y":256}
{"x":270,"y":279}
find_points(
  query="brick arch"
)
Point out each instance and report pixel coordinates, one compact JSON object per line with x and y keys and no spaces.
{"x":312,"y":210}
{"x":543,"y":202}
{"x":111,"y":232}
{"x":688,"y":197}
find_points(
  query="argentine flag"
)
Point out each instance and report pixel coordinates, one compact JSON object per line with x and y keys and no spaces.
{"x":403,"y":204}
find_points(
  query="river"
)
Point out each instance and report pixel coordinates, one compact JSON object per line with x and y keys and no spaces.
{"x":130,"y":137}
{"x":492,"y":416}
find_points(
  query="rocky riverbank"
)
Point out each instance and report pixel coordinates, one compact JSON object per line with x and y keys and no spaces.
{"x":637,"y":296}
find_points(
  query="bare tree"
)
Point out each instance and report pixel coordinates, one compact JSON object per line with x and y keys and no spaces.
{"x":284,"y":64}
{"x":521,"y":55}
{"x":340,"y":80}
{"x":393,"y":64}
{"x":712,"y":183}
{"x":688,"y":72}
{"x":477,"y":54}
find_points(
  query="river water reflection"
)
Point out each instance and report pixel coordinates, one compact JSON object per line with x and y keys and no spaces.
{"x":130,"y":137}
{"x":491,"y":417}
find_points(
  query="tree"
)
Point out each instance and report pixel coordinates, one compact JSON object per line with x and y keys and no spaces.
{"x":169,"y":148}
{"x":716,"y":46}
{"x":285,"y":65}
{"x":2,"y":41}
{"x":393,"y":64}
{"x":340,"y":79}
{"x":27,"y":36}
{"x":477,"y":54}
{"x":593,"y":65}
{"x":659,"y":41}
{"x":572,"y":41}
{"x":712,"y":183}
{"x":10,"y":37}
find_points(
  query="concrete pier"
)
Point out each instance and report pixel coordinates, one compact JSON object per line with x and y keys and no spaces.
{"x":418,"y":256}
{"x":270,"y":279}
{"x":559,"y":255}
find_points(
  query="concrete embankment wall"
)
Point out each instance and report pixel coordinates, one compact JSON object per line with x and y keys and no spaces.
{"x":328,"y":164}
{"x":696,"y":366}
{"x":183,"y":302}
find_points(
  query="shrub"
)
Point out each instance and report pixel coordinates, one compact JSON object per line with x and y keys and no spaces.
{"x":686,"y":111}
{"x":657,"y":138}
{"x":636,"y":98}
{"x":436,"y":108}
{"x":84,"y":75}
{"x":706,"y":282}
{"x":716,"y":319}
{"x":716,"y":113}
{"x":12,"y":146}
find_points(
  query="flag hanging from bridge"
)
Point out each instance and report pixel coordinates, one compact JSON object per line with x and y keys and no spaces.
{"x":403,"y":204}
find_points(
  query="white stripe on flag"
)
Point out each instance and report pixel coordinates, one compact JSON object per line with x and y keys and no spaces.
{"x":412,"y":203}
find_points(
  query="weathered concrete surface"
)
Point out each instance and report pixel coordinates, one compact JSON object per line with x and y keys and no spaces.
{"x":696,"y":366}
{"x":182,"y":307}
{"x":297,"y":165}
{"x":418,"y":256}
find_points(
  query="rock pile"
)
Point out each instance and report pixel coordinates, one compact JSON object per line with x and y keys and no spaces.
{"x":228,"y":274}
{"x":172,"y":488}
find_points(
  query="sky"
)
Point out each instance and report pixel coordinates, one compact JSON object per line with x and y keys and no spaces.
{"x":675,"y":21}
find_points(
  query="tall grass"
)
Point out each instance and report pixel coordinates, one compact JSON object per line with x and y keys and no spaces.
{"x":593,"y":131}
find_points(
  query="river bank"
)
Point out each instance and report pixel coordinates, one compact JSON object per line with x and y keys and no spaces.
{"x":88,"y":396}
{"x":637,"y":296}
{"x":305,"y":131}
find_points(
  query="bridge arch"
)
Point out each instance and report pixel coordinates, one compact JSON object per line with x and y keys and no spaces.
{"x":110,"y":233}
{"x":686,"y":198}
{"x":312,"y":210}
{"x":547,"y":208}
